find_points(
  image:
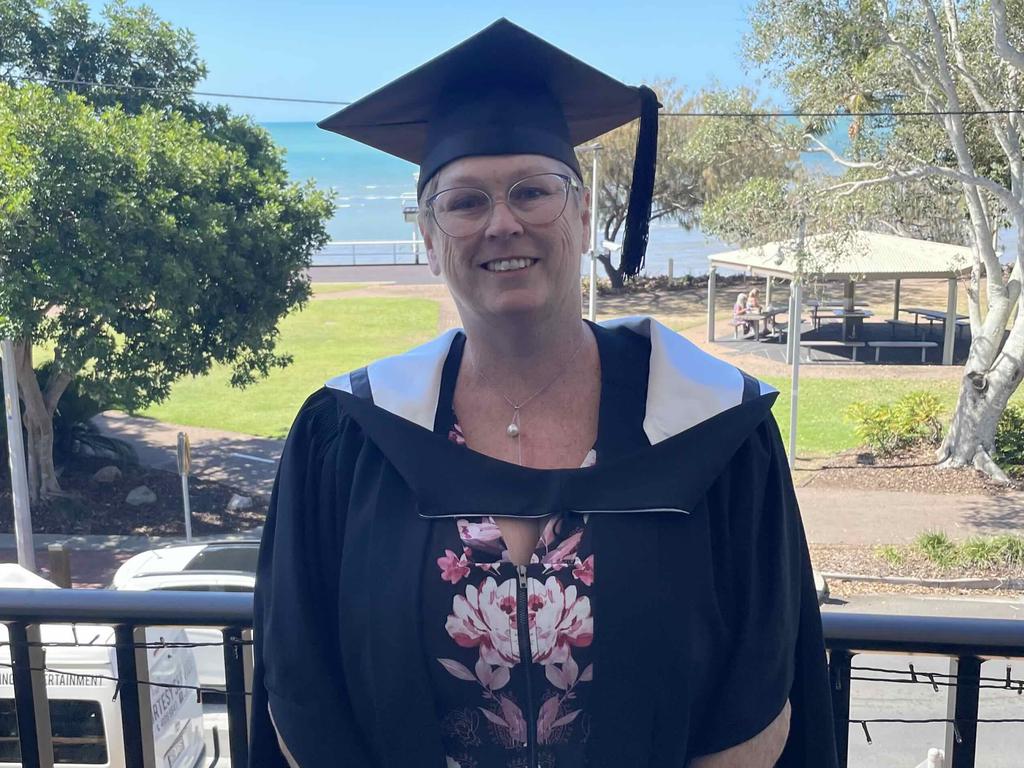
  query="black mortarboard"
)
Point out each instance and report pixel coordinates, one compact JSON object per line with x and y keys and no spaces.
{"x":506,"y":91}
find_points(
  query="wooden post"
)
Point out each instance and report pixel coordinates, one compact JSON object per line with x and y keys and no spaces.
{"x":671,"y":269}
{"x":949,"y":338}
{"x":768,"y":291}
{"x":896,"y":301}
{"x":711,"y":304}
{"x":60,"y":565}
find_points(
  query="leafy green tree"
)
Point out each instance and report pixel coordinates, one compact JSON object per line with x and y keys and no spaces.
{"x":957,"y":175}
{"x":698,"y":159}
{"x":143,"y":237}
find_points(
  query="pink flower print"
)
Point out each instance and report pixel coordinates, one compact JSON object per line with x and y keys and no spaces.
{"x":456,"y":436}
{"x":559,"y":620}
{"x":485,"y":618}
{"x":548,"y":720}
{"x":485,"y":535}
{"x":564,"y":553}
{"x":509,"y":719}
{"x":584,"y":571}
{"x":453,"y":568}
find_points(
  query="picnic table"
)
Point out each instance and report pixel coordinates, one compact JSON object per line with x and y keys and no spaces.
{"x":933,"y":315}
{"x":767,"y":316}
{"x":853,"y":320}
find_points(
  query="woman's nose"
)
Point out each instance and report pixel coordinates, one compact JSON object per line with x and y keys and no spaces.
{"x":503,"y":222}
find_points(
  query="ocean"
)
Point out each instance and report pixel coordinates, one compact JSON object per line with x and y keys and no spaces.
{"x":369,"y":185}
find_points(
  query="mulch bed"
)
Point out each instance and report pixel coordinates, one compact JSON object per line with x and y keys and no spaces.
{"x":911,"y":472}
{"x":94,"y":508}
{"x":864,"y":561}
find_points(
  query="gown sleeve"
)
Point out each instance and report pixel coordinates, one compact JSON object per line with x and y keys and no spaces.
{"x":299,"y":690}
{"x":775,"y":649}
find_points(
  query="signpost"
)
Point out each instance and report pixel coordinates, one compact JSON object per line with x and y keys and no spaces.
{"x":184,"y":467}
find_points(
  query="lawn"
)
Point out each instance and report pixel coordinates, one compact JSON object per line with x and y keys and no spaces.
{"x":822,"y":427}
{"x":328,"y":337}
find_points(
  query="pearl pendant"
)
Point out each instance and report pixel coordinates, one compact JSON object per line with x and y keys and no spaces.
{"x":512,"y":430}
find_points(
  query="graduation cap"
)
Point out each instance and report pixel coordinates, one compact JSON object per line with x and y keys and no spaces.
{"x":506,"y":91}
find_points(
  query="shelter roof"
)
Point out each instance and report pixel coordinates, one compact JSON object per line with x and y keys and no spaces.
{"x":857,"y":256}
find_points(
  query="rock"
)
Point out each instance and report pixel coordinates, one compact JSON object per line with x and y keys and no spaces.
{"x":238,"y":503}
{"x":139,"y":496}
{"x":107,"y":474}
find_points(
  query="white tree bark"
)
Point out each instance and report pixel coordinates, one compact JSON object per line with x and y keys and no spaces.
{"x":40,"y":407}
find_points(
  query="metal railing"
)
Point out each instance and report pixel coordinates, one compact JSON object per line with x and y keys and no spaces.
{"x":967,"y":642}
{"x":351,"y":253}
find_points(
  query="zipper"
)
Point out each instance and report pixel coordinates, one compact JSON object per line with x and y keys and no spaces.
{"x":547,"y":514}
{"x":526,"y":659}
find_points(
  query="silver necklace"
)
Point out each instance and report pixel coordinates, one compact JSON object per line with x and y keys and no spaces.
{"x":513,"y":429}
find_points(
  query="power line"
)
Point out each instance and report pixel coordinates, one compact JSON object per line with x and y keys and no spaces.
{"x":292,"y":100}
{"x":151,"y":89}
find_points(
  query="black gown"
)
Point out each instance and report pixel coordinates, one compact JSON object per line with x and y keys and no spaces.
{"x":706,"y":615}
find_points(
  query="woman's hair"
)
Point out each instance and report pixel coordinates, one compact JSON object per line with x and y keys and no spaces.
{"x":741,"y":298}
{"x":753,"y":292}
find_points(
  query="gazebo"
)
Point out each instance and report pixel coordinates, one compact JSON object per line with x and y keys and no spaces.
{"x":850,"y":259}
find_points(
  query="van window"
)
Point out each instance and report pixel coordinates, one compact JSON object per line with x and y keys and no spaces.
{"x":77,"y":726}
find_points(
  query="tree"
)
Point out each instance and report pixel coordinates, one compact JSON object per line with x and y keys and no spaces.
{"x":696,"y":161}
{"x":140,"y":242}
{"x":950,"y":59}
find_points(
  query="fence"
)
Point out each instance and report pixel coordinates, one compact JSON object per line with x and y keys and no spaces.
{"x":350,"y":253}
{"x":967,"y":642}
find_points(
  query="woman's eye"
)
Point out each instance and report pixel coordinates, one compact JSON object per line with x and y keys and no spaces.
{"x":530,"y":193}
{"x":465,"y":203}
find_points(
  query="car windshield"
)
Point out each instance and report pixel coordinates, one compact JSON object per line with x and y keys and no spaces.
{"x":226,"y":557}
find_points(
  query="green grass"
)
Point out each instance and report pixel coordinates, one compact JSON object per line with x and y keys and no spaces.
{"x":327,"y":338}
{"x":893,"y":555}
{"x":822,"y":426}
{"x":978,"y":551}
{"x":937,"y":547}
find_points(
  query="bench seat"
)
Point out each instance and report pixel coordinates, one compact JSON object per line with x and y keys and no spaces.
{"x":854,"y":345}
{"x":924,"y":346}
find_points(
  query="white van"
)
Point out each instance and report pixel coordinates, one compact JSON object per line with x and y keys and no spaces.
{"x":85,"y":718}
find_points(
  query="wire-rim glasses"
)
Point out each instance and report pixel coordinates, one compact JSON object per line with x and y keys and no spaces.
{"x":537,"y":200}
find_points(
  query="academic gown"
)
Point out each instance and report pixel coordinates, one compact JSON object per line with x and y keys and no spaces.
{"x":704,"y":633}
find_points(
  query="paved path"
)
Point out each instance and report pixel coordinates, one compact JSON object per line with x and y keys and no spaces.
{"x":243,"y":461}
{"x":847,"y":516}
{"x":399,"y":274}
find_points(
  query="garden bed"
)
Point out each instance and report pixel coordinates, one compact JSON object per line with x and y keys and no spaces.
{"x":94,"y":508}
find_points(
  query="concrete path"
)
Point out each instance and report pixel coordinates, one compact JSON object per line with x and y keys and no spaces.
{"x":847,"y":516}
{"x":398,"y":274}
{"x":243,"y":461}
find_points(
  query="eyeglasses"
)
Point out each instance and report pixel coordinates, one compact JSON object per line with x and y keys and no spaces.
{"x":537,"y":200}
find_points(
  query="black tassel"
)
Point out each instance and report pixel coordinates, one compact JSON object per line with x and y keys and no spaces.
{"x":638,"y":214}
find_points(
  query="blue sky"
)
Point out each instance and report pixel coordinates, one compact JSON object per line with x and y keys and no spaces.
{"x":342,"y":50}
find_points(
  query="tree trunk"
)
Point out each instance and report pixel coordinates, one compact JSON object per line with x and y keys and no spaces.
{"x":38,"y":418}
{"x":614,"y":273}
{"x":972,"y":431}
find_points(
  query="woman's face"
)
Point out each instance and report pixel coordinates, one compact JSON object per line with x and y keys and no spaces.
{"x":551,"y":251}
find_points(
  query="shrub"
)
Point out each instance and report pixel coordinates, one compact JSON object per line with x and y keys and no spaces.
{"x":889,"y":428}
{"x":1009,"y":448}
{"x":937,"y":547}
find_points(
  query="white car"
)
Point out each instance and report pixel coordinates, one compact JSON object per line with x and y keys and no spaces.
{"x":210,"y":566}
{"x":85,"y":716}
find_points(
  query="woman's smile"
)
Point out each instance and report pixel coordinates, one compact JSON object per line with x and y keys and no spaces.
{"x":514,"y":264}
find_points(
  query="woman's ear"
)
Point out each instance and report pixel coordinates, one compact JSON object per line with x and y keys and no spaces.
{"x":428,"y":240}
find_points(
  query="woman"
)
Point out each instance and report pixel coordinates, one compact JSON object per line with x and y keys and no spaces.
{"x":537,"y":541}
{"x":739,"y":309}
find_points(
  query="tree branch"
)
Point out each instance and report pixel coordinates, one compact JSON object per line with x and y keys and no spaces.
{"x":1006,"y":51}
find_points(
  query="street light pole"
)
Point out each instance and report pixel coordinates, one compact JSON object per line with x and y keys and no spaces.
{"x":16,"y":459}
{"x":592,"y":308}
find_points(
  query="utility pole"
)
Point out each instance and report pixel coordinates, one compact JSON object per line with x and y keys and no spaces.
{"x":592,"y":308}
{"x":16,"y":459}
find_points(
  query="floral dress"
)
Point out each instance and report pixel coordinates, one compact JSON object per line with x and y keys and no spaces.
{"x":492,"y":704}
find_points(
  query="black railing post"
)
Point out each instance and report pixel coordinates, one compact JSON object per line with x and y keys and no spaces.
{"x":839,"y":662}
{"x":962,"y":733}
{"x":128,"y":696}
{"x":30,"y":701}
{"x":234,"y":677}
